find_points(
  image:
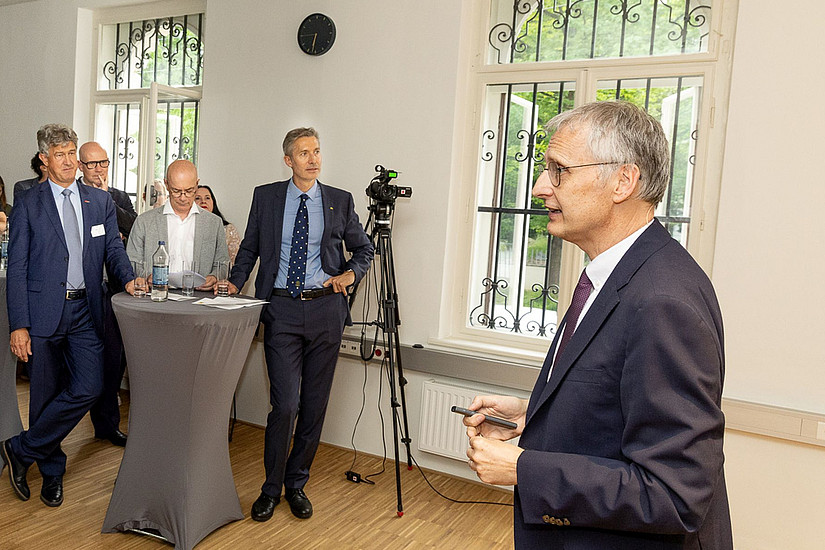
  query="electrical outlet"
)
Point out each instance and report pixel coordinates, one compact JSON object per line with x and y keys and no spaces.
{"x":820,"y":430}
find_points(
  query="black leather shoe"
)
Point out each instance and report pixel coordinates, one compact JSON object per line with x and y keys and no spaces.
{"x":299,"y":503}
{"x":115,"y":438}
{"x":52,"y":491}
{"x":264,"y":506}
{"x":17,"y":472}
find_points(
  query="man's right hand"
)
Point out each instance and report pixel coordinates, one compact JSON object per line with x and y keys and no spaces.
{"x":506,"y":407}
{"x":21,"y":344}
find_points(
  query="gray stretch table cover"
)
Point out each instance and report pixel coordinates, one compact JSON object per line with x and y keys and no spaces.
{"x":184,"y":363}
{"x":10,"y":423}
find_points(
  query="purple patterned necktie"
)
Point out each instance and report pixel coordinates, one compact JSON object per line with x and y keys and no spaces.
{"x":580,"y":296}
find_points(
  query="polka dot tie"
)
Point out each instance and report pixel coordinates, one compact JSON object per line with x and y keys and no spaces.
{"x":298,"y":254}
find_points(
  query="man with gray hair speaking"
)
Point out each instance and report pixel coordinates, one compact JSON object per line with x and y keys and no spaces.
{"x":62,"y":236}
{"x":621,"y":439}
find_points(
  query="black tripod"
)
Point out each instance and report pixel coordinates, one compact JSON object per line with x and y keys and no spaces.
{"x":388,"y":321}
{"x":388,"y":296}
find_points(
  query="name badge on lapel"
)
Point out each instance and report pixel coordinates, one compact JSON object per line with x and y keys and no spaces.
{"x":98,"y":230}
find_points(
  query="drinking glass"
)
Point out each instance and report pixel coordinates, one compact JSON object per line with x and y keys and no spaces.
{"x":188,"y":279}
{"x":222,"y":273}
{"x":141,"y":287}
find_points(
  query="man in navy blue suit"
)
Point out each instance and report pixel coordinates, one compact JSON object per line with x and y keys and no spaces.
{"x":621,"y":439}
{"x":62,"y":236}
{"x":298,"y":229}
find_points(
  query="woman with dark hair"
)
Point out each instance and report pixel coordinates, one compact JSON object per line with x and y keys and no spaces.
{"x":206,"y":200}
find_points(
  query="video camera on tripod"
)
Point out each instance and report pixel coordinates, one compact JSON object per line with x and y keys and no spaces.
{"x":383,"y":194}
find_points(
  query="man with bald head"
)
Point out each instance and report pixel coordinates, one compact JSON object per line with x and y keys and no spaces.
{"x":192,"y":234}
{"x":94,"y":163}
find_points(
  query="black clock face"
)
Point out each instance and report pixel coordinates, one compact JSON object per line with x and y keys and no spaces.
{"x":316,"y":34}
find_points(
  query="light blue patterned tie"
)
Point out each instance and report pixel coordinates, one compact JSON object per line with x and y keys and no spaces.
{"x":71,"y":229}
{"x":298,"y":254}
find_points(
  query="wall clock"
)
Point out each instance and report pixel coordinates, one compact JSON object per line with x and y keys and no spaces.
{"x":316,"y":34}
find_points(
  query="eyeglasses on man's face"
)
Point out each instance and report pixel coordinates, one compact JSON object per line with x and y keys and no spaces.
{"x":92,"y":164}
{"x":178,"y":192}
{"x":555,"y":170}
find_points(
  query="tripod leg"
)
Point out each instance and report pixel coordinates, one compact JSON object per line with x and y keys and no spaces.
{"x":390,"y":330}
{"x":402,"y":382}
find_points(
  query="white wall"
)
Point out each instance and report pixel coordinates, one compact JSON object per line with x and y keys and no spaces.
{"x":769,"y":258}
{"x":383,"y":95}
{"x":386,"y":93}
{"x":38,"y":78}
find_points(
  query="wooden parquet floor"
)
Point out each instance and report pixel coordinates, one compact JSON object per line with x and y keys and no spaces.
{"x":346,"y":515}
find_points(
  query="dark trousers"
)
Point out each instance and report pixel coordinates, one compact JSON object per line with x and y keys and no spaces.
{"x":301,"y":339}
{"x":105,"y":413}
{"x":66,"y":377}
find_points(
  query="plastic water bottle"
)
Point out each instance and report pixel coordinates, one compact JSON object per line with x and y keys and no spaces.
{"x":160,"y":273}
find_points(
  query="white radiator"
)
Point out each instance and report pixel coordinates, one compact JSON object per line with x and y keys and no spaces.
{"x":442,"y":431}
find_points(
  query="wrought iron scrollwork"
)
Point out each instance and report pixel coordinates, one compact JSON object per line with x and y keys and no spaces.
{"x":533,"y":138}
{"x":545,"y":296}
{"x":489,"y":135}
{"x":625,"y":10}
{"x":497,"y":316}
{"x":510,"y":38}
{"x":154,"y":40}
{"x":501,"y":35}
{"x":563,"y":16}
{"x":123,"y":148}
{"x":490,"y":319}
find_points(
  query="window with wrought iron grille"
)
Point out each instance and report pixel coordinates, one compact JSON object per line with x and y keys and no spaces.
{"x":132,"y":56}
{"x":540,"y":58}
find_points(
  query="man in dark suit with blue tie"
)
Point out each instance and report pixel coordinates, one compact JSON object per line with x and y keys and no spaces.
{"x":298,"y":229}
{"x":62,"y":236}
{"x":621,"y":439}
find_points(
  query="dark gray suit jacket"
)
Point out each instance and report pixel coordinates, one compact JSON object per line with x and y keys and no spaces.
{"x":624,"y":443}
{"x":124,"y":209}
{"x":22,"y":186}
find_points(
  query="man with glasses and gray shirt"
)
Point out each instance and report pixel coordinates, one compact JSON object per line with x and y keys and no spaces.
{"x":191,"y":233}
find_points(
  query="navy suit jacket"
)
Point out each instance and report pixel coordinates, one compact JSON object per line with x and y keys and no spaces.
{"x":264,"y":229}
{"x":39,"y":258}
{"x":624,"y":442}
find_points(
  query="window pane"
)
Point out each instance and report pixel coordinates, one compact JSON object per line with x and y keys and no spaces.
{"x":117,"y":130}
{"x":166,"y":50}
{"x":675,"y":102}
{"x":176,"y":133}
{"x":525,"y":31}
{"x":515,"y":276}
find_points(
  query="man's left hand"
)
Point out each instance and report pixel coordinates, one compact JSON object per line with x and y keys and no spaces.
{"x":209,"y":283}
{"x":341,"y":282}
{"x":494,"y":461}
{"x":130,"y":287}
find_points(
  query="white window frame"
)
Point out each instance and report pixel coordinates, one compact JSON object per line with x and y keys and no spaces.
{"x":147,"y":98}
{"x":715,"y":68}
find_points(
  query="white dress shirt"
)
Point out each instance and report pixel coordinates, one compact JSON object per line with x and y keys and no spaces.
{"x":181,"y":234}
{"x":598,"y":271}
